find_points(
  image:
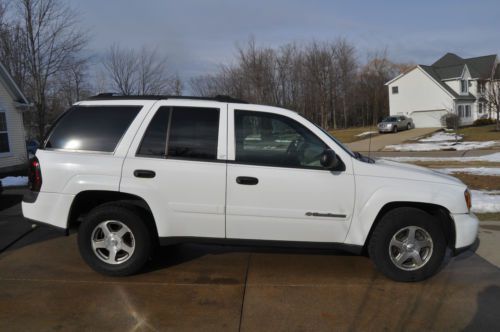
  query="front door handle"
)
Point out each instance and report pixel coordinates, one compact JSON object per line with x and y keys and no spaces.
{"x":144,"y":173}
{"x":247,"y":180}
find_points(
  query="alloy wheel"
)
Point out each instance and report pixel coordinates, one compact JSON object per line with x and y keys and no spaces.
{"x":113,"y":242}
{"x":411,"y":248}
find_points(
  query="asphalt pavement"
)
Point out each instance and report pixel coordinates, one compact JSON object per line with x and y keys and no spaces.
{"x":45,"y":286}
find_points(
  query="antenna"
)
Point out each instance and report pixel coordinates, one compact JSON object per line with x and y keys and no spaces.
{"x":370,"y":141}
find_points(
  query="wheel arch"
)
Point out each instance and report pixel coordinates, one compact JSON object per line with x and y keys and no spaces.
{"x":439,"y":212}
{"x":87,"y":200}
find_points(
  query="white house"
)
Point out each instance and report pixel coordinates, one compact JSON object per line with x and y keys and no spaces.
{"x":451,"y":84}
{"x":13,"y":155}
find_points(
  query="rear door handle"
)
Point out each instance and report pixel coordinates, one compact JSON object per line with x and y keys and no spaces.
{"x":144,"y":173}
{"x":247,"y":180}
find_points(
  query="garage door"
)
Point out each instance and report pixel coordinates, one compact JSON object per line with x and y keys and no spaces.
{"x":427,"y":119}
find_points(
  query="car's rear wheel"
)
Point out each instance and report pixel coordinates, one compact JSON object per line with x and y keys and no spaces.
{"x":408,"y":244}
{"x":408,"y":126}
{"x":115,"y":240}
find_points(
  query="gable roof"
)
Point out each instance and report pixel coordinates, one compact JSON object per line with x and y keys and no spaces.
{"x":12,"y":87}
{"x":451,"y":66}
{"x":431,"y":71}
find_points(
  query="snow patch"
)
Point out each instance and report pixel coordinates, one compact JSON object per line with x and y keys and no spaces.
{"x":366,"y":133}
{"x":14,"y":181}
{"x":441,"y":137}
{"x":485,"y":201}
{"x":492,"y":171}
{"x":438,"y":146}
{"x":493,"y":157}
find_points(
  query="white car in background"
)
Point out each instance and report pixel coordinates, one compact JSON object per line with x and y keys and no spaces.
{"x":136,"y":171}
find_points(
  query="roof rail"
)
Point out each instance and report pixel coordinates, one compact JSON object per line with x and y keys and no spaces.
{"x":111,"y":96}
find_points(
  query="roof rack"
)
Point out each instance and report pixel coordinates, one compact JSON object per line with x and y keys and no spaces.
{"x":114,"y":96}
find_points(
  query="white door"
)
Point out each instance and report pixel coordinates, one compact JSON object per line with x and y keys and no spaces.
{"x":276,"y":187}
{"x":177,"y":164}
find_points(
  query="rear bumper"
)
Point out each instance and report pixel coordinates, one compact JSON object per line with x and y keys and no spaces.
{"x":51,"y":209}
{"x":466,"y":230}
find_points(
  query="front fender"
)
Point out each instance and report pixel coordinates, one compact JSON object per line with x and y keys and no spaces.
{"x":371,"y":202}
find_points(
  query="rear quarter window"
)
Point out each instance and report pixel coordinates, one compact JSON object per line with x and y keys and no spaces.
{"x":91,"y":128}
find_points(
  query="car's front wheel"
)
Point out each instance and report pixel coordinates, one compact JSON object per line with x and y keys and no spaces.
{"x":395,"y":129}
{"x":408,"y":244}
{"x":115,"y":240}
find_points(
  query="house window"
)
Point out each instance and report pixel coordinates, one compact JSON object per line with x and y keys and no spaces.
{"x":468,"y":111}
{"x":460,"y":111}
{"x":464,"y":86}
{"x":395,"y":90}
{"x":480,"y":108}
{"x":4,"y":137}
{"x":481,"y":87}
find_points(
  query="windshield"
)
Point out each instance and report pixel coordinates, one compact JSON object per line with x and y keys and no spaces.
{"x":390,"y":119}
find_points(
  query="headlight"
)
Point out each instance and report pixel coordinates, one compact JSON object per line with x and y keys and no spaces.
{"x":468,"y":199}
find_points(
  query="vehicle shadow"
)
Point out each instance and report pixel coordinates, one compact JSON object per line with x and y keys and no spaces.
{"x":486,"y":317}
{"x":9,"y":199}
{"x":169,"y":256}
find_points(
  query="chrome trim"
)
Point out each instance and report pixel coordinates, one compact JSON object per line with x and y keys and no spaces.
{"x":328,"y":215}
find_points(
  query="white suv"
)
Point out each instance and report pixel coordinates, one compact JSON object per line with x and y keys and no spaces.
{"x":138,"y":171}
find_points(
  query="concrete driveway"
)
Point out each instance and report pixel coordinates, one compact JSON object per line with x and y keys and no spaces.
{"x":45,"y":286}
{"x":380,"y":141}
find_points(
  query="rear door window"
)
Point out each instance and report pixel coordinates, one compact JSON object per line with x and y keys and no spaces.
{"x":194,"y":133}
{"x":91,"y":128}
{"x":154,"y":141}
{"x":182,"y":133}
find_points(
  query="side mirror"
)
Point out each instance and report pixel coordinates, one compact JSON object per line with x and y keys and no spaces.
{"x":329,"y":159}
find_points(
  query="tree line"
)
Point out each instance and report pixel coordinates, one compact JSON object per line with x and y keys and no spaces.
{"x":324,"y":81}
{"x":44,"y":48}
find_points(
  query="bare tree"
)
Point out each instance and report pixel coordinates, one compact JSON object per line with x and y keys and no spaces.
{"x":493,"y":93}
{"x":144,"y":72}
{"x":122,"y":66}
{"x":51,"y":38}
{"x":72,"y":83}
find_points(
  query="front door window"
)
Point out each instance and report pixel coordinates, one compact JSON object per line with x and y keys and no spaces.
{"x":275,"y":140}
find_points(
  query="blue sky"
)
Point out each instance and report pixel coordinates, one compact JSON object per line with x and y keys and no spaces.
{"x":197,"y":35}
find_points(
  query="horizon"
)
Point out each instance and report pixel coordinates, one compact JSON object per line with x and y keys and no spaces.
{"x":196,"y":36}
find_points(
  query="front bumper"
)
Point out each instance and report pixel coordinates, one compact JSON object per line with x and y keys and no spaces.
{"x":466,"y":230}
{"x":385,"y":129}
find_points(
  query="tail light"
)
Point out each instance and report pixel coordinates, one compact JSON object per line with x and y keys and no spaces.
{"x":35,"y":175}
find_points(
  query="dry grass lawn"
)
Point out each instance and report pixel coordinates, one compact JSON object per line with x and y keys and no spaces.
{"x":483,"y":133}
{"x":479,"y":182}
{"x":489,"y":216}
{"x":349,"y":135}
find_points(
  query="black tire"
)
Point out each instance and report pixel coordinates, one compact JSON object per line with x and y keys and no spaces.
{"x":390,"y":224}
{"x":142,"y":234}
{"x":408,"y":127}
{"x":395,"y":129}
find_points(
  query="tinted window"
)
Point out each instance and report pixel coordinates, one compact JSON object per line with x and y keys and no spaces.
{"x":194,"y":133}
{"x":155,"y":138}
{"x":275,"y":140}
{"x":92,"y":128}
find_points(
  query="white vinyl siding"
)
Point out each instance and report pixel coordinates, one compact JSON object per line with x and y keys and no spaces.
{"x":17,"y":154}
{"x":420,"y":98}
